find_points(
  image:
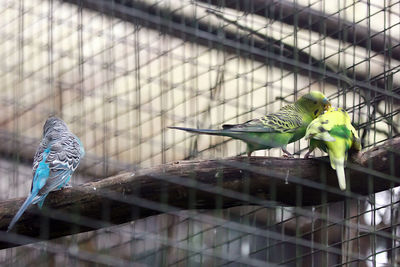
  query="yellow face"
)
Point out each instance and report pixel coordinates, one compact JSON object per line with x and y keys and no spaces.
{"x":315,"y":102}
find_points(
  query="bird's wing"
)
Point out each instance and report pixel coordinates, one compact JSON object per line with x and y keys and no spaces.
{"x":285,"y":120}
{"x":61,"y":157}
{"x":55,"y":180}
{"x":39,"y":155}
{"x":67,"y":152}
{"x":325,"y":126}
{"x":319,"y":129}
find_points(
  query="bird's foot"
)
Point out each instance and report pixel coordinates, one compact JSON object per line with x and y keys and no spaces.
{"x":289,"y":156}
{"x":287,"y":153}
{"x":67,"y":186}
{"x":307,"y":155}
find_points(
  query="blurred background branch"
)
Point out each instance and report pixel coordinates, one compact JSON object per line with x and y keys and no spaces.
{"x":266,"y":50}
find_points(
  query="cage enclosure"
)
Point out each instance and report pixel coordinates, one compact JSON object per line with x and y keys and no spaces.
{"x":120,"y":72}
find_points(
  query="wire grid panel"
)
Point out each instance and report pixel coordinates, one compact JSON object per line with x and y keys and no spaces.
{"x":120,"y":72}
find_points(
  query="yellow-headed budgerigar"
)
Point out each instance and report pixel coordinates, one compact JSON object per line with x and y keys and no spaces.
{"x":333,"y":133}
{"x":287,"y":125}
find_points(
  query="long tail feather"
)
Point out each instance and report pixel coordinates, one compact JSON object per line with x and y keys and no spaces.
{"x":201,"y":131}
{"x":40,"y":201}
{"x":228,"y":126}
{"x":341,"y":176}
{"x":24,"y":206}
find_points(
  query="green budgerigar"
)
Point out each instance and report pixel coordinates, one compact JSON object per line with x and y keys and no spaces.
{"x":333,"y":133}
{"x":287,"y":125}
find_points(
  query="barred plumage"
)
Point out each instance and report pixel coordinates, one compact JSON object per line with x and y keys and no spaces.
{"x":274,"y":130}
{"x":55,"y":160}
{"x":286,"y":119}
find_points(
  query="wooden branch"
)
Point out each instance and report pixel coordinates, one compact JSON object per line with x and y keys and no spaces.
{"x":267,"y":51}
{"x":311,"y":19}
{"x":200,"y":184}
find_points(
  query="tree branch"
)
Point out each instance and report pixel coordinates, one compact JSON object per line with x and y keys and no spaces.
{"x":268,"y":51}
{"x":200,"y":184}
{"x":310,"y":19}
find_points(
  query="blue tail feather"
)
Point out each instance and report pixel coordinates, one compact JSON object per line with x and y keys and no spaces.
{"x":40,"y":201}
{"x":24,"y":206}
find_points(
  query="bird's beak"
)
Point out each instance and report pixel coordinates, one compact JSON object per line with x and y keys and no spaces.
{"x":309,"y":136}
{"x":327,"y":104}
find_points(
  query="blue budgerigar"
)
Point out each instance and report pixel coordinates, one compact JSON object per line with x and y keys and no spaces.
{"x":56,"y":158}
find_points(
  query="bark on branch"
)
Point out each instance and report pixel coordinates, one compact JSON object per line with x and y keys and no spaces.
{"x":267,"y":51}
{"x":200,"y":184}
{"x":310,"y":19}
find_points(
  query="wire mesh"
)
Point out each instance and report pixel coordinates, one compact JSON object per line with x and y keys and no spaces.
{"x":120,"y":72}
